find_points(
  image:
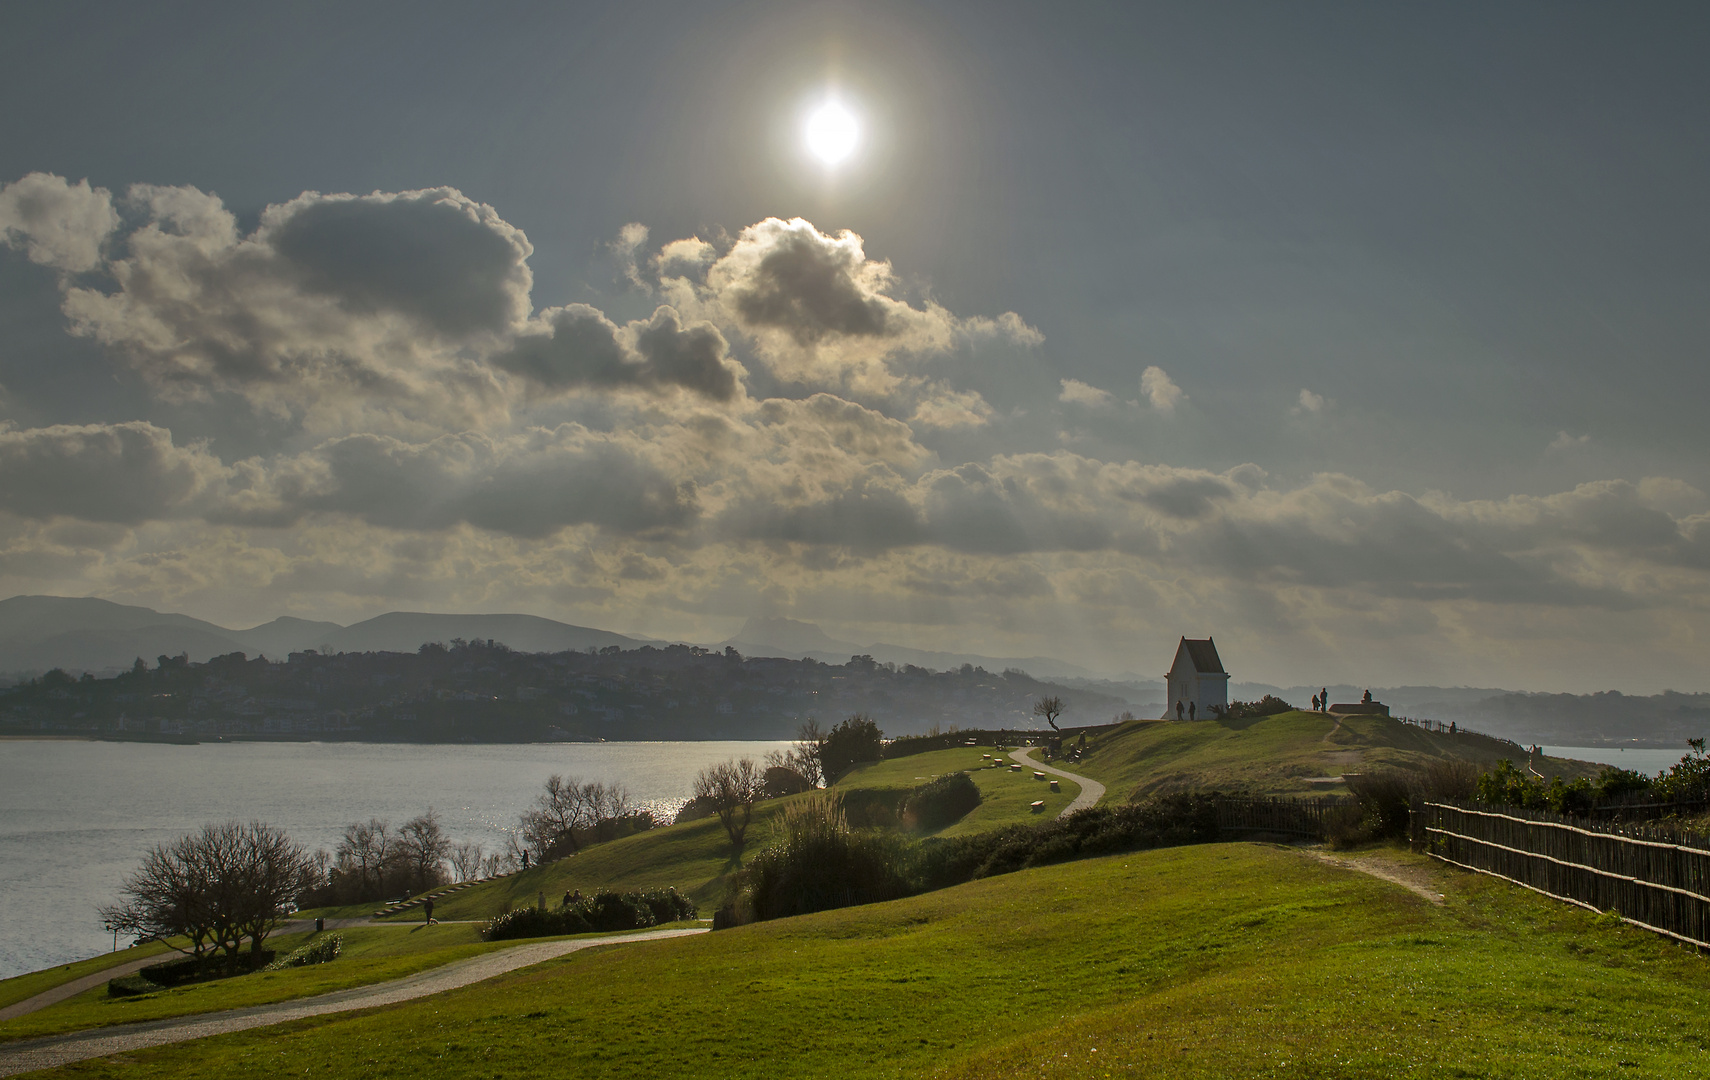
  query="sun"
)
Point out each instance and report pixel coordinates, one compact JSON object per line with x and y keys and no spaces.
{"x":832,"y":132}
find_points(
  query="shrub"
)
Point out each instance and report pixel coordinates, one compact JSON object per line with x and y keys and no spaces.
{"x":604,"y":911}
{"x":941,"y":802}
{"x":611,"y":911}
{"x":817,"y":862}
{"x":530,"y":922}
{"x":315,"y":952}
{"x":668,"y":905}
{"x":1269,"y":705}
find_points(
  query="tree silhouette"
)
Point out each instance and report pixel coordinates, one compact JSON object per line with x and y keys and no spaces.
{"x":1050,"y":708}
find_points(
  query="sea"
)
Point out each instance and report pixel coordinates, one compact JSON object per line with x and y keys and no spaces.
{"x":77,"y":816}
{"x":1649,"y":762}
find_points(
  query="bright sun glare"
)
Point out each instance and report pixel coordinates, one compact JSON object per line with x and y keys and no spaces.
{"x":832,"y":133}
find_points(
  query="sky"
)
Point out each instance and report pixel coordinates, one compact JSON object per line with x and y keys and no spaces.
{"x":1368,"y":339}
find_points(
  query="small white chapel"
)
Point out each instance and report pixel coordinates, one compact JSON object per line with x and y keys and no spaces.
{"x":1197,"y":684}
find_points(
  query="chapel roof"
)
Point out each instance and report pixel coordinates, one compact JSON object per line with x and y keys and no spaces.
{"x":1203,"y":655}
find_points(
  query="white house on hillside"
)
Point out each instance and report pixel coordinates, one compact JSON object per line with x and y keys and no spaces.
{"x":1197,"y":679}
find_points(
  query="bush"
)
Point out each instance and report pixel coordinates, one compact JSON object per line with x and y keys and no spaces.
{"x":533,"y":922}
{"x":604,"y":911}
{"x":1269,"y":705}
{"x":817,"y":862}
{"x":315,"y":952}
{"x":611,"y":911}
{"x":941,"y":802}
{"x":668,"y":905}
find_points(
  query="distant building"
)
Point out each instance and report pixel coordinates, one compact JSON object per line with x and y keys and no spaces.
{"x":1197,"y":678}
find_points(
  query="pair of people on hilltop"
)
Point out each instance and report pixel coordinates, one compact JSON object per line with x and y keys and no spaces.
{"x":1321,"y":700}
{"x":1190,"y":710}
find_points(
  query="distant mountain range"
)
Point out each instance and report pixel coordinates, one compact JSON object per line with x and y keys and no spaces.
{"x":38,"y":633}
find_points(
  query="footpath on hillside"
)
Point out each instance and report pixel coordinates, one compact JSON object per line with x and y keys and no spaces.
{"x":32,"y":1054}
{"x":1091,"y":790}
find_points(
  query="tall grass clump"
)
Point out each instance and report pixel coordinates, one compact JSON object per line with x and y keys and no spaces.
{"x":1381,"y":800}
{"x":817,"y":862}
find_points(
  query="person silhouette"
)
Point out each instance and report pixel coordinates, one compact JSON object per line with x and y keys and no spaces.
{"x":1366,"y":698}
{"x":1178,"y":710}
{"x":1314,"y":702}
{"x":1324,"y":698}
{"x":1190,"y":708}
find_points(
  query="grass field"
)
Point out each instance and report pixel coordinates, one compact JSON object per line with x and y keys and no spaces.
{"x":21,"y":987}
{"x":1230,"y":960}
{"x":1006,"y":797}
{"x":1275,"y":755}
{"x":371,"y":954}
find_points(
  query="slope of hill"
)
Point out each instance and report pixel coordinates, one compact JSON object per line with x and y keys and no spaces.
{"x":406,"y":631}
{"x":90,"y":634}
{"x":284,"y":636}
{"x":1224,"y":960}
{"x":1282,"y":754}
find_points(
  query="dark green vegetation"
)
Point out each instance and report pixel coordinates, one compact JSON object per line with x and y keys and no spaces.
{"x":1280,"y":754}
{"x":1229,"y":960}
{"x":485,"y":692}
{"x":603,"y":911}
{"x":1686,"y":782}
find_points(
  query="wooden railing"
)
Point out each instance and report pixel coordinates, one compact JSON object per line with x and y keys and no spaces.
{"x":1661,"y":884}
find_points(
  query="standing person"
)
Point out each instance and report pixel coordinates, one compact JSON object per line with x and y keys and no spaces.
{"x":525,"y":860}
{"x":1324,"y":698}
{"x":1178,"y":710}
{"x":1190,"y":709}
{"x":1314,"y":702}
{"x":427,"y":910}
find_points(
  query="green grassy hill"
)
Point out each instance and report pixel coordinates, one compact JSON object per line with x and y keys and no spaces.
{"x":1277,"y":755}
{"x":1227,"y":960}
{"x":697,"y":859}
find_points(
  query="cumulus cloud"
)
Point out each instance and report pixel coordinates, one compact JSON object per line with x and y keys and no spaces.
{"x":127,"y":472}
{"x":1160,"y":390}
{"x":819,"y":311}
{"x":1564,"y":442}
{"x":56,"y":222}
{"x":1310,"y":402}
{"x":577,"y":345}
{"x":944,"y":409}
{"x":1076,"y":392}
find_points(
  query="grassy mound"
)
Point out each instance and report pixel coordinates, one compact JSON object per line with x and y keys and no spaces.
{"x":1276,"y":755}
{"x":1230,"y":960}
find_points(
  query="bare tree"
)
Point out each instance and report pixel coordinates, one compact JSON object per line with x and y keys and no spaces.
{"x":1050,"y":708}
{"x":422,"y":849}
{"x":466,"y":860}
{"x":567,"y":807}
{"x":731,"y":789}
{"x":216,"y":888}
{"x":802,"y":758}
{"x":364,"y":851}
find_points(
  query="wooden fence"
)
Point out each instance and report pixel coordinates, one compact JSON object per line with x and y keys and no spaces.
{"x":1292,"y":817}
{"x":1659,"y":884}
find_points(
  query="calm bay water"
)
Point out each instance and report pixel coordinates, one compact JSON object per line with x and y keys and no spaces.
{"x":1649,"y":762}
{"x":76,"y":817}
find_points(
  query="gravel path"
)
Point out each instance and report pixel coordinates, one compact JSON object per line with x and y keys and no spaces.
{"x":1091,"y":790}
{"x":63,"y":1049}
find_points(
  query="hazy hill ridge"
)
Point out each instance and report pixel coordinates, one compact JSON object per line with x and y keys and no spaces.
{"x":480,"y":692}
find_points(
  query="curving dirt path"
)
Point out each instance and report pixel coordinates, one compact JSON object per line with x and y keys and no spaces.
{"x":46,"y":1053}
{"x":1091,"y":790}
